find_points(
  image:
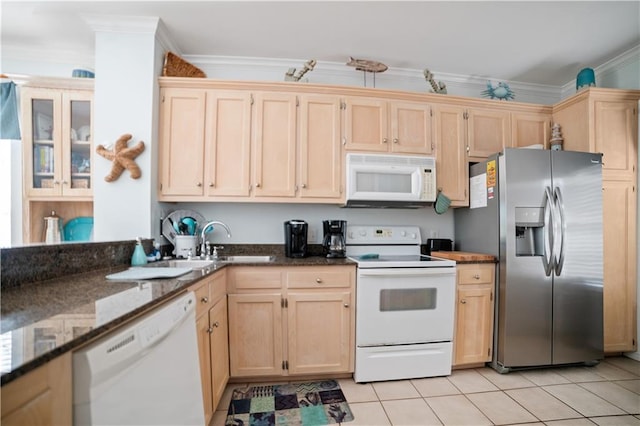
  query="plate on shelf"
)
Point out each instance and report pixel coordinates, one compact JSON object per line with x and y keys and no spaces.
{"x":78,"y":229}
{"x":170,"y":233}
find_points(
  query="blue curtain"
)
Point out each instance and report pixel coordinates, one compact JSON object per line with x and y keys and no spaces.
{"x":9,"y":125}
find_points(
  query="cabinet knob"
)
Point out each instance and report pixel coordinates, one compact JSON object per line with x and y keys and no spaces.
{"x":216,"y":324}
{"x":56,"y":182}
{"x":199,"y":184}
{"x":304,"y":185}
{"x":346,"y":305}
{"x":385,"y":140}
{"x":395,"y":140}
{"x":205,"y":300}
{"x":209,"y":330}
{"x":319,"y":280}
{"x":463,"y":301}
{"x":64,"y":182}
{"x":211,"y":184}
{"x":258,"y":185}
{"x":476,"y":276}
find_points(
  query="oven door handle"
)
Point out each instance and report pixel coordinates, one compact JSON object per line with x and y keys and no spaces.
{"x":406,"y":272}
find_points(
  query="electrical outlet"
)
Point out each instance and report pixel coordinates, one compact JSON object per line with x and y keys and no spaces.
{"x":433,"y":233}
{"x":311,"y":235}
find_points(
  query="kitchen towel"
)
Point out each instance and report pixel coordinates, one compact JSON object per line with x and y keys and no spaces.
{"x":9,"y":125}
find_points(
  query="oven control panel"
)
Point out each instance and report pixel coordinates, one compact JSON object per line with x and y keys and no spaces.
{"x":378,"y":235}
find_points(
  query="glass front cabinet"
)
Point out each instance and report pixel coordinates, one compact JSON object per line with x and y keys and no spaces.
{"x":57,"y":135}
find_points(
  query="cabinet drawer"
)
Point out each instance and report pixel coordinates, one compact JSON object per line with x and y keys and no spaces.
{"x":320,"y":277}
{"x":476,"y":273}
{"x":203,"y":297}
{"x":255,"y":277}
{"x":218,"y":286}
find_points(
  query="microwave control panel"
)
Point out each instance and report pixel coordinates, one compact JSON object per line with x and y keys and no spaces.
{"x":429,"y":184}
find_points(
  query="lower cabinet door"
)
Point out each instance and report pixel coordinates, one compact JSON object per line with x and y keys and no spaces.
{"x":204,"y":355}
{"x":219,"y":350}
{"x":473,"y":326}
{"x":255,"y":339}
{"x":319,"y":332}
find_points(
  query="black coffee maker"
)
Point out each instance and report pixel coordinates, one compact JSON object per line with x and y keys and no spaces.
{"x":333,"y":242}
{"x":295,"y":238}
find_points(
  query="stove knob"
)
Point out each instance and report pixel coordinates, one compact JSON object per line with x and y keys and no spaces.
{"x":414,"y":236}
{"x":363,"y":233}
{"x":403,"y":233}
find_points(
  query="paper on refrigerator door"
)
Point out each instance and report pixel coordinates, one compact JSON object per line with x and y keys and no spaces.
{"x":478,"y":191}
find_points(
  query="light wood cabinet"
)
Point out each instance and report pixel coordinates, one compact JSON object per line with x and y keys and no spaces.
{"x":452,"y":171}
{"x":530,"y":128}
{"x":249,"y":145}
{"x":321,"y":160}
{"x":619,"y":215}
{"x":488,"y":132}
{"x":57,"y":137}
{"x":212,"y":332}
{"x":40,"y":397}
{"x":474,"y":313}
{"x":291,"y":321}
{"x":606,"y":121}
{"x":274,"y":145}
{"x":182,"y":115}
{"x":57,"y":134}
{"x":380,"y":125}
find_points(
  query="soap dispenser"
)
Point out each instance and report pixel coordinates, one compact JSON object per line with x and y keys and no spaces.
{"x":139,"y":257}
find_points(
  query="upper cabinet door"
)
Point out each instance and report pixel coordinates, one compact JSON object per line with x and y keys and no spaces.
{"x":228,"y":143}
{"x":320,"y":147}
{"x":274,"y":145}
{"x":57,"y":139}
{"x":452,"y":172}
{"x":530,"y":129}
{"x":616,"y":131}
{"x":489,"y":132}
{"x":411,"y":128}
{"x":366,"y":125}
{"x":182,"y":142}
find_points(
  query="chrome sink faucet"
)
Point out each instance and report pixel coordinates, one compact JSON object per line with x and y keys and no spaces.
{"x":204,"y":248}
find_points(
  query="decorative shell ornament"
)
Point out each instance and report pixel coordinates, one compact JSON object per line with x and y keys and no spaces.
{"x":123,"y":157}
{"x":501,"y":91}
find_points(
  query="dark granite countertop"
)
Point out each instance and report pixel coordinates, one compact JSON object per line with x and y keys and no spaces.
{"x":45,"y":319}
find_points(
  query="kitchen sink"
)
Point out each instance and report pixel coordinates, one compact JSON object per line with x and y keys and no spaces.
{"x":245,"y":259}
{"x":195,"y":264}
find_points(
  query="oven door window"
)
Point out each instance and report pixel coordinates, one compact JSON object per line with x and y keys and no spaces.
{"x":408,"y":299}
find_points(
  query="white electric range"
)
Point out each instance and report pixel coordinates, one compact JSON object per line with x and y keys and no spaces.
{"x":405,"y":305}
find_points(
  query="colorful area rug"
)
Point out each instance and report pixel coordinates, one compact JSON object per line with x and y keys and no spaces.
{"x":306,"y":404}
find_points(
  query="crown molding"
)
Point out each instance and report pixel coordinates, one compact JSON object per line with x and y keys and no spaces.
{"x":339,"y":71}
{"x":625,"y":58}
{"x":85,"y":59}
{"x":132,"y":25}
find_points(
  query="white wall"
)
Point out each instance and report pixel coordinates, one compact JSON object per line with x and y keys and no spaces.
{"x":263,"y":223}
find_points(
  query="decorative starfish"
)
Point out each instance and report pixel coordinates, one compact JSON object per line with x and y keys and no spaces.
{"x":122,"y":157}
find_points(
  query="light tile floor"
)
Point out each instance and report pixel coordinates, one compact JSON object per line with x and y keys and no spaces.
{"x":607,"y":395}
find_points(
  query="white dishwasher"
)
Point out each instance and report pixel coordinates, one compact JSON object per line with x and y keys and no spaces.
{"x":146,"y":373}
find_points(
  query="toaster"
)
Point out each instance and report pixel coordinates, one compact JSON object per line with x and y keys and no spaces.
{"x":436,"y":244}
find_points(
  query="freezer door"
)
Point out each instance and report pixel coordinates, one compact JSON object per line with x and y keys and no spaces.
{"x":577,"y":290}
{"x":525,"y":290}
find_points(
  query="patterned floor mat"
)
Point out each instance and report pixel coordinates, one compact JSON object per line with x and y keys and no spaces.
{"x":306,"y":404}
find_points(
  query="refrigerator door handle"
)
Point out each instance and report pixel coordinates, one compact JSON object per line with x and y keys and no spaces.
{"x":547,"y":257}
{"x":559,"y":205}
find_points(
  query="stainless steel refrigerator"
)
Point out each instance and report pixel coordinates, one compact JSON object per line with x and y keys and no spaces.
{"x":540,"y":213}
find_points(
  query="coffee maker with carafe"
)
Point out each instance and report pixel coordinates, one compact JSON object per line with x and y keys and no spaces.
{"x":333,"y":242}
{"x":295,"y":238}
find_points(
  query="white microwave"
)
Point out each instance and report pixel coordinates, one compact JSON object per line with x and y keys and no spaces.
{"x":375,"y":180}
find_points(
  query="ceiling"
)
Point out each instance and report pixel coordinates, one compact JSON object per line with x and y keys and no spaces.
{"x":544,"y":42}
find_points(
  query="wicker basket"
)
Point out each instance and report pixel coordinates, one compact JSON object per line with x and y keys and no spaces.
{"x":175,"y":66}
